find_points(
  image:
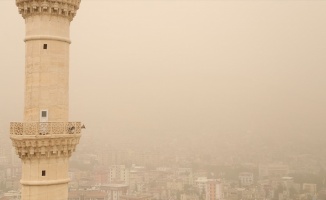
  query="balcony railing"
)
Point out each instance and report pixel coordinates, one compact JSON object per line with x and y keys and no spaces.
{"x":45,"y":128}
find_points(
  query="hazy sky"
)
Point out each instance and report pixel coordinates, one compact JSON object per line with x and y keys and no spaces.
{"x":185,"y":67}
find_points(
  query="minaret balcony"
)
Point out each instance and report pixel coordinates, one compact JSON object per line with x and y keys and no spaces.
{"x":45,"y":128}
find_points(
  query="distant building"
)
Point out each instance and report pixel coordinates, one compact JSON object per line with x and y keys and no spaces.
{"x":186,"y":175}
{"x":119,"y":174}
{"x":175,"y":185}
{"x":11,"y":195}
{"x":87,"y":195}
{"x":309,"y":188}
{"x":136,"y":197}
{"x":246,"y":178}
{"x":233,"y":194}
{"x":114,"y":191}
{"x":273,"y":171}
{"x":12,"y":183}
{"x":214,"y":190}
{"x":201,"y":183}
{"x":287,"y":182}
{"x":137,"y":179}
{"x":3,"y":160}
{"x":188,"y":197}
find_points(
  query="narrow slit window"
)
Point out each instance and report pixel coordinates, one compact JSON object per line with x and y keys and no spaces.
{"x":43,"y":173}
{"x":44,"y":114}
{"x":45,"y":46}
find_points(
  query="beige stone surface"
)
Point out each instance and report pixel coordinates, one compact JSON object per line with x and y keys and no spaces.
{"x":47,"y":70}
{"x":45,"y":146}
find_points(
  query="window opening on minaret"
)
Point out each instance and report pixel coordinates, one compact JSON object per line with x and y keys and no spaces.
{"x":45,"y":46}
{"x":44,"y":115}
{"x":43,"y":173}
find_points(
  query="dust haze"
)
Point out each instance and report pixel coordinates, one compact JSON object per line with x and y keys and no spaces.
{"x":197,"y":83}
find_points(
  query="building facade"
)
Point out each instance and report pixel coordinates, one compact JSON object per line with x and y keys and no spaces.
{"x":246,"y":178}
{"x":214,"y":190}
{"x":119,"y":174}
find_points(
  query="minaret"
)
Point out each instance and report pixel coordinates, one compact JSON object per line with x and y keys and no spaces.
{"x":46,"y":139}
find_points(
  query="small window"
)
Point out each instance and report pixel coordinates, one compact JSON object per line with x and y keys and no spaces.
{"x":45,"y":46}
{"x":43,"y":173}
{"x":44,"y":113}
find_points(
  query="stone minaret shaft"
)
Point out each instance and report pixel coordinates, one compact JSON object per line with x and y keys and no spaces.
{"x":46,"y":139}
